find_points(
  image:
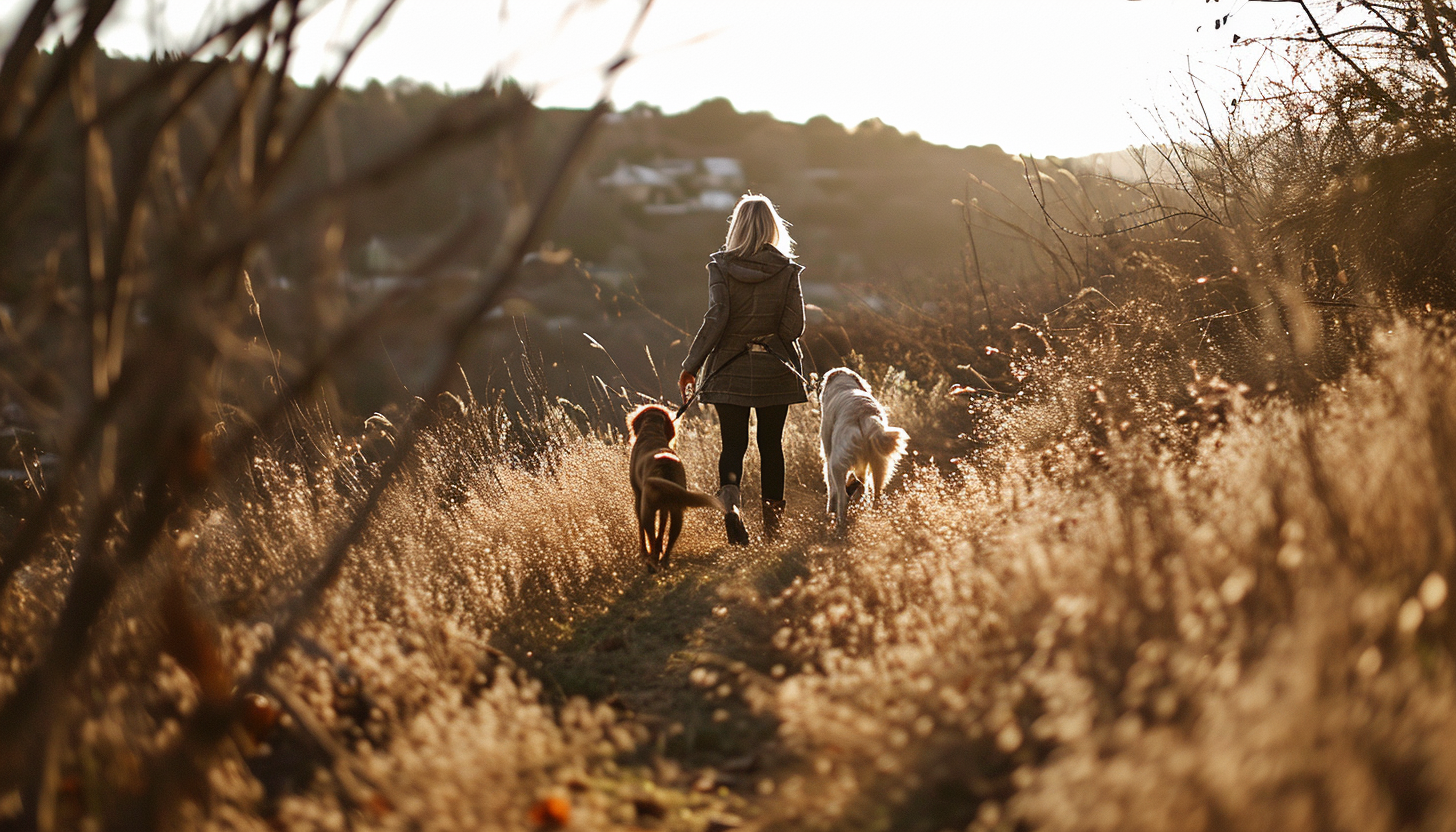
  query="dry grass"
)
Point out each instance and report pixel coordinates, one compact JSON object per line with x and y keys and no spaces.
{"x":1139,"y":597}
{"x":1257,"y":638}
{"x":1247,"y":629}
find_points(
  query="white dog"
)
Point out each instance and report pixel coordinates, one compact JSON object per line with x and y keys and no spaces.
{"x":856,"y":438}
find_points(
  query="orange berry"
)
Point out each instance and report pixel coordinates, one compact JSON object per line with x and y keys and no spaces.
{"x":551,"y":813}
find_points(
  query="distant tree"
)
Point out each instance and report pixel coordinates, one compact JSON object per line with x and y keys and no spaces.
{"x":826,"y":142}
{"x":714,"y":122}
{"x":1342,"y":144}
{"x":1388,"y":60}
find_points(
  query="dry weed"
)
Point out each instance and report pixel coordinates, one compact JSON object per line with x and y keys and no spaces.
{"x":1244,"y":628}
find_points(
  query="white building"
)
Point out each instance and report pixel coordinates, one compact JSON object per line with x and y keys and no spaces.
{"x":641,"y":184}
{"x":716,"y":200}
{"x":722,"y":172}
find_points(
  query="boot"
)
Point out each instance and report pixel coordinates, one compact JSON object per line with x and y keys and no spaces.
{"x":732,"y":517}
{"x":773,"y":512}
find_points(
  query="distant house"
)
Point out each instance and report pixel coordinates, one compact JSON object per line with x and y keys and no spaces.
{"x":722,"y":173}
{"x":678,"y":169}
{"x":716,"y":200}
{"x":642,"y":184}
{"x":664,"y":187}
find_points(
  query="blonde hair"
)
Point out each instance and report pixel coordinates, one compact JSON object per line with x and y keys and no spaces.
{"x":756,"y":224}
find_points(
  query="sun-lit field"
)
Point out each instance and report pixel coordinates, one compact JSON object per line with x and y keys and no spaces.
{"x":315,"y":508}
{"x":1248,"y":629}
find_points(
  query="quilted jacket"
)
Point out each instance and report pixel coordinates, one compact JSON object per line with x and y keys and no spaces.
{"x":751,"y":300}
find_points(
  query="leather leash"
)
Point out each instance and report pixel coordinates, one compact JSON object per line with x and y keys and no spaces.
{"x":698,"y":386}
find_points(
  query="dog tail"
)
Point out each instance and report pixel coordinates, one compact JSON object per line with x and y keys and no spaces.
{"x":888,"y":442}
{"x":668,"y":493}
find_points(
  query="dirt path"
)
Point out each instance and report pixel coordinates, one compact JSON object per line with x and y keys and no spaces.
{"x":677,"y":657}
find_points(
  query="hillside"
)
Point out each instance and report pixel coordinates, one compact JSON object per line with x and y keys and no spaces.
{"x":315,"y":505}
{"x":872,"y":210}
{"x":1134,"y":639}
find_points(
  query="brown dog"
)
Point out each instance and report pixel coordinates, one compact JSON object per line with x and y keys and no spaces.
{"x":660,"y":483}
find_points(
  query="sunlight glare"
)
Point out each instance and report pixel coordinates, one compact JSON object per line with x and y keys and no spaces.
{"x":1045,"y":77}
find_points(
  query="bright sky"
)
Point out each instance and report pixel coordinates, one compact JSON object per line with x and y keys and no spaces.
{"x":1059,"y":77}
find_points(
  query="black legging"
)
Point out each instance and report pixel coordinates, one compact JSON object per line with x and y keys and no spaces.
{"x":733,"y":418}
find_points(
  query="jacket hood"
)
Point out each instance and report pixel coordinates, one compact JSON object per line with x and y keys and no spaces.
{"x":756,"y":268}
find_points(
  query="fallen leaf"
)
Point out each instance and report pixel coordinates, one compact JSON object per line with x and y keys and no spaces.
{"x":550,"y":813}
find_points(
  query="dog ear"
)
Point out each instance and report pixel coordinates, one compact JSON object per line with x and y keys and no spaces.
{"x":670,"y":425}
{"x":632,"y":419}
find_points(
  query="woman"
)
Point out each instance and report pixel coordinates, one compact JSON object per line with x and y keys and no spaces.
{"x":748,"y":352}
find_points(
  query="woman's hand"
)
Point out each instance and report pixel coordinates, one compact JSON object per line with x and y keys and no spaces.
{"x":685,"y":381}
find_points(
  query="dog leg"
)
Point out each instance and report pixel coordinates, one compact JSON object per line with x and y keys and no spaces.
{"x":674,"y":528}
{"x":826,"y":452}
{"x":838,"y":497}
{"x":861,"y":475}
{"x":644,"y":535}
{"x":834,"y":474}
{"x":663,"y":544}
{"x":880,"y":473}
{"x":659,"y":534}
{"x":828,"y":486}
{"x":647,"y":551}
